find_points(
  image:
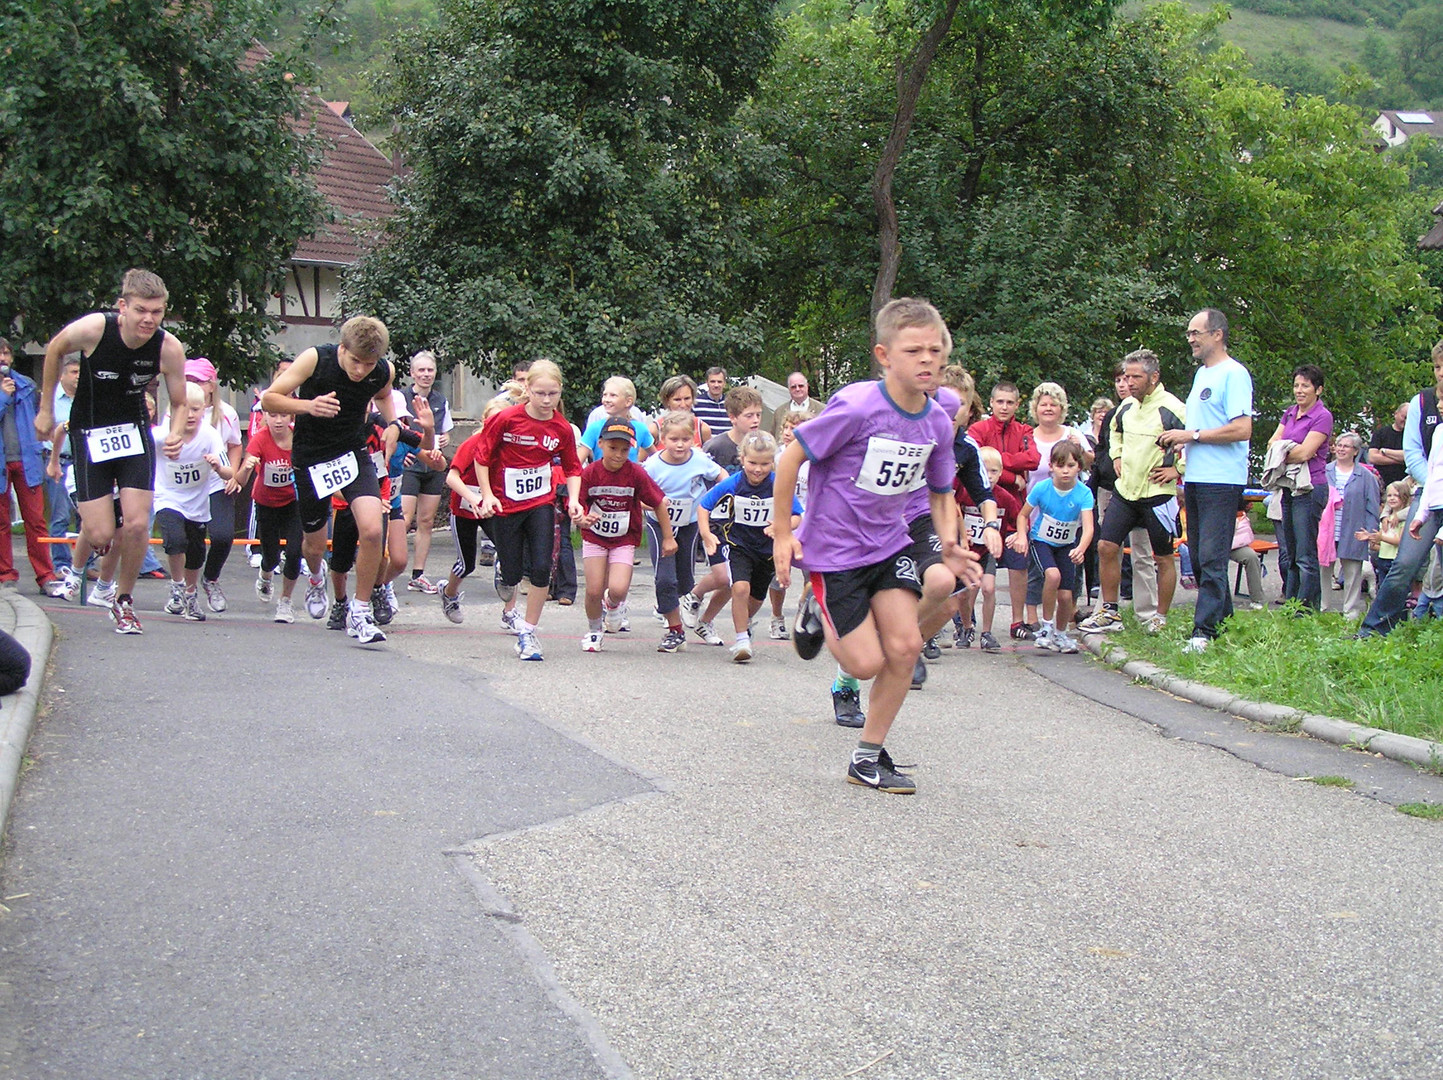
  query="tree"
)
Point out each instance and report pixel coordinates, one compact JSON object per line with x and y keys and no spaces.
{"x":1291,"y":222}
{"x":140,"y":133}
{"x":579,"y":187}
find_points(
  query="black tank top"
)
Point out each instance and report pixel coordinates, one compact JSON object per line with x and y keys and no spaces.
{"x":319,"y":438}
{"x":113,"y":379}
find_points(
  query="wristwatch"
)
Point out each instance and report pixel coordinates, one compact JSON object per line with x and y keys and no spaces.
{"x":1197,"y":435}
{"x":993,"y":525}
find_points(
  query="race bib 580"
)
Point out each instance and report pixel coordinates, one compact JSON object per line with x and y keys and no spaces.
{"x":115,"y":441}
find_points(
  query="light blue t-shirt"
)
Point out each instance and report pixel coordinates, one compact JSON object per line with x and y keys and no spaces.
{"x":592,"y":435}
{"x":1220,"y":394}
{"x":683,"y":484}
{"x":1058,"y":520}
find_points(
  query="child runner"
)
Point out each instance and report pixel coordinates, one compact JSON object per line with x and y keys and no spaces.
{"x":869,"y":447}
{"x":744,"y":410}
{"x":682,"y":471}
{"x":1059,"y":537}
{"x":750,"y":535}
{"x":222,"y":494}
{"x":775,"y":593}
{"x":466,"y":509}
{"x":513,"y":471}
{"x":974,"y":526}
{"x":182,"y":502}
{"x":618,"y":395}
{"x":268,"y":456}
{"x":614,"y":489}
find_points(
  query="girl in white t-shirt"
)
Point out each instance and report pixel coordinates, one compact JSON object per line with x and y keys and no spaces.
{"x":222,"y":494}
{"x":182,"y":502}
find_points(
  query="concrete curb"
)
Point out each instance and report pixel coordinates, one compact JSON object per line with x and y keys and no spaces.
{"x":1406,"y":748}
{"x":17,"y":712}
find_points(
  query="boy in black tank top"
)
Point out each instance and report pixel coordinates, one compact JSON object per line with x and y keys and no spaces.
{"x":109,"y":429}
{"x":330,"y":390}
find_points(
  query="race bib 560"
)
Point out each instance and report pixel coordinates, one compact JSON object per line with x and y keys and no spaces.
{"x":524,"y":484}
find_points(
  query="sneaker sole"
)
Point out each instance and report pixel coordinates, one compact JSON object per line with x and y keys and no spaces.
{"x":884,"y":788}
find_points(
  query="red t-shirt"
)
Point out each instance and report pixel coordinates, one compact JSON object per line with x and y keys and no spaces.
{"x":275,"y":481}
{"x":517,"y":449}
{"x":464,"y":462}
{"x":1008,"y":507}
{"x":619,"y":497}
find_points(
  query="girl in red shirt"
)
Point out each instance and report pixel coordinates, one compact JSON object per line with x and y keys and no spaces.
{"x":517,"y":502}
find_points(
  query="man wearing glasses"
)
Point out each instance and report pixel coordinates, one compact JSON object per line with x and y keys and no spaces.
{"x":1215,"y":444}
{"x":801,"y":404}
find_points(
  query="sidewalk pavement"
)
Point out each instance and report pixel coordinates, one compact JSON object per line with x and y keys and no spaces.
{"x":267,"y":851}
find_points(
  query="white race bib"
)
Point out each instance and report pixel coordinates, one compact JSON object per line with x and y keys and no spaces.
{"x":1058,"y":533}
{"x":191,"y":474}
{"x":331,"y":476}
{"x":116,"y":441}
{"x":612,"y":523}
{"x":524,"y":484}
{"x":974,"y":525}
{"x":278,"y":474}
{"x":749,"y":510}
{"x":892,"y":467}
{"x":678,"y":511}
{"x":378,"y":462}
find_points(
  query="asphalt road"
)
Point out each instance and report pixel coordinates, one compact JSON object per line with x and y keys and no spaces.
{"x":286,"y":855}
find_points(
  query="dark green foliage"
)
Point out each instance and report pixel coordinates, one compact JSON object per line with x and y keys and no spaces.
{"x":132,"y":133}
{"x":1358,"y":12}
{"x":579,"y":189}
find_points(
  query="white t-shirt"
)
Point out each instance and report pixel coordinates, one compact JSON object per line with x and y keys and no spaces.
{"x":183,"y":485}
{"x":230,"y":433}
{"x":1044,"y":450}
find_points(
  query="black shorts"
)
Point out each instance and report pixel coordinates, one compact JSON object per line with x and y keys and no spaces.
{"x":1124,"y":515}
{"x":430,"y":482}
{"x":756,"y":570}
{"x":926,"y":544}
{"x":524,"y":541}
{"x":845,"y":596}
{"x":99,"y":479}
{"x":316,"y":510}
{"x":722,"y":555}
{"x":1045,"y":557}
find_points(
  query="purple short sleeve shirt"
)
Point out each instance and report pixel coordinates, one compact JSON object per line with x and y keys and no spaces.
{"x":867,"y":458}
{"x":1297,"y":428}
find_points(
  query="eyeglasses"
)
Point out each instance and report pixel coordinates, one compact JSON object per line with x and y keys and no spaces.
{"x":1197,"y":333}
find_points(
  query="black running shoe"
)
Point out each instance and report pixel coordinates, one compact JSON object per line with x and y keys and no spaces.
{"x":807,"y":633}
{"x":874,"y":774}
{"x":932,"y":650}
{"x":919,"y":673}
{"x":847,"y":707}
{"x":381,"y":610}
{"x":337,"y":619}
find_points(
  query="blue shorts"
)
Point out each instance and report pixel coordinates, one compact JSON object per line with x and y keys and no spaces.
{"x":1045,"y":557}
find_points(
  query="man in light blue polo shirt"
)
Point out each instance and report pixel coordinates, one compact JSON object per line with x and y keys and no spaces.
{"x":1215,"y":441}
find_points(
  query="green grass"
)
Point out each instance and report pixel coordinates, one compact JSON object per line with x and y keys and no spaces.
{"x":1311,"y":663}
{"x":1331,"y":781}
{"x":1429,"y":811}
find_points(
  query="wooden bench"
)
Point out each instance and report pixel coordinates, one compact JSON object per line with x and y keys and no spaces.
{"x":1262,"y":547}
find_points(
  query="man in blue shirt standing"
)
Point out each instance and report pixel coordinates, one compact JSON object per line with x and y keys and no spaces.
{"x":24,"y":478}
{"x":62,"y":510}
{"x":1215,"y":441}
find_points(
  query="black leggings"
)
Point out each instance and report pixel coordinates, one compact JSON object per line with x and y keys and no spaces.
{"x":178,"y":534}
{"x":524,"y":544}
{"x":222,"y":533}
{"x":274,"y":524}
{"x":345,"y":539}
{"x":465,"y":530}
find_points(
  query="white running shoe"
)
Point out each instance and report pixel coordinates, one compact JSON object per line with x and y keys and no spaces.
{"x":285,"y":611}
{"x":527,"y":647}
{"x":742,"y":649}
{"x":591,"y":641}
{"x":707,"y":633}
{"x":103,"y":595}
{"x":264,"y":588}
{"x":690,"y":606}
{"x":361,"y":623}
{"x":316,"y":599}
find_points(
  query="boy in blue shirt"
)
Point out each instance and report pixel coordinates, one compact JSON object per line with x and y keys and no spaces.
{"x":1059,"y":537}
{"x":745,"y":500}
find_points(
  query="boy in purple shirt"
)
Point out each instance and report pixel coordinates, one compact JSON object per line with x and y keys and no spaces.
{"x":873,"y":445}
